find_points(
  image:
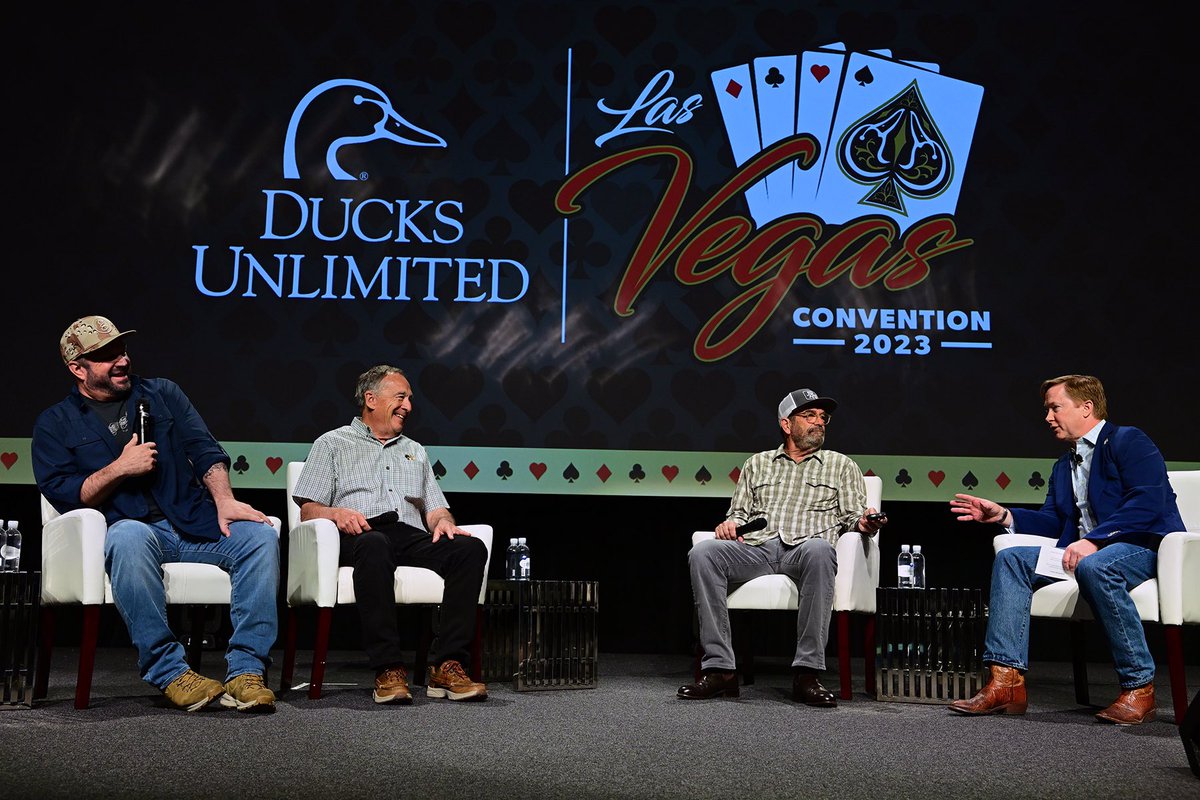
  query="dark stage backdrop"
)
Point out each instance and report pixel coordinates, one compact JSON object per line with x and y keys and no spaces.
{"x":604,"y":239}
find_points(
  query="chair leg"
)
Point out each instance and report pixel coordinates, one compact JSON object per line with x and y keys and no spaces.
{"x":1079,"y":662}
{"x":869,"y":653}
{"x":289,"y":652}
{"x":1175,"y":668}
{"x":41,"y":679}
{"x":424,"y":639}
{"x":320,"y":653}
{"x":195,"y":648}
{"x":843,"y":634}
{"x":744,"y":644}
{"x":477,"y":647}
{"x":87,"y":656}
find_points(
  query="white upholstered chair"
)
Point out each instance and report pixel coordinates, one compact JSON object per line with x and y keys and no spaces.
{"x":854,"y":591}
{"x":73,"y":574}
{"x":315,"y":579}
{"x":1172,"y":599}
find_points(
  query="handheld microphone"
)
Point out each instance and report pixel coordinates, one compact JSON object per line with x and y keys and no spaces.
{"x":145,"y":427}
{"x":751,"y":526}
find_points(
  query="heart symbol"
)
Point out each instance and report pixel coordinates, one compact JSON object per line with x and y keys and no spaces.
{"x":669,"y":472}
{"x":936,"y":477}
{"x":819,"y":71}
{"x":8,"y":459}
{"x":274,"y":463}
{"x":538,"y":469}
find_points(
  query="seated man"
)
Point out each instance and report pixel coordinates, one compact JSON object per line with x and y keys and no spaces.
{"x":1109,"y":505}
{"x":87,"y":455}
{"x":379,"y":488}
{"x":808,"y":497}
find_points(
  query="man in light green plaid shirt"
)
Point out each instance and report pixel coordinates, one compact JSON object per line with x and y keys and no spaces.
{"x":790,"y":506}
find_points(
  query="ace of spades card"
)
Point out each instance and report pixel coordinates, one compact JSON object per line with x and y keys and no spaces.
{"x":899,"y":142}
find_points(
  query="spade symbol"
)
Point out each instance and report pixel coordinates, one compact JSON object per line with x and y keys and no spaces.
{"x":1036,"y":480}
{"x":504,"y":471}
{"x":570,"y":473}
{"x":637,"y":474}
{"x":240,"y":466}
{"x":703,"y":476}
{"x":969,"y":480}
{"x":439,"y":469}
{"x":775,"y":78}
{"x":904,"y":479}
{"x":864,"y":76}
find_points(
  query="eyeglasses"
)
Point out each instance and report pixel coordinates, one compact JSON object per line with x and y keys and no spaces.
{"x":810,"y":416}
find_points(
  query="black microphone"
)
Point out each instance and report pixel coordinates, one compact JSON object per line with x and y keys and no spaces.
{"x":751,"y":526}
{"x":145,"y":427}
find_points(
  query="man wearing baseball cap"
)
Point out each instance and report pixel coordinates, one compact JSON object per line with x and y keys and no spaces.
{"x":794,"y":501}
{"x":166,"y":499}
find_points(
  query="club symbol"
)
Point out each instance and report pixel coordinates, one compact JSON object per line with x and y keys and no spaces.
{"x":903,"y":478}
{"x":241,"y":465}
{"x":897,"y":150}
{"x":774,"y":78}
{"x":504,"y":471}
{"x":637,"y":474}
{"x":1036,"y":480}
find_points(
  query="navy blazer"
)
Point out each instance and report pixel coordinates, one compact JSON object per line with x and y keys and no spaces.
{"x":1131,"y":498}
{"x":70,"y":442}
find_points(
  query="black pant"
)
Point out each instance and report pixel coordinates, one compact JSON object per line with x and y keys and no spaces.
{"x":375,"y":556}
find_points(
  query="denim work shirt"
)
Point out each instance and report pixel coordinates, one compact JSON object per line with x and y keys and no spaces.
{"x":71,"y":441}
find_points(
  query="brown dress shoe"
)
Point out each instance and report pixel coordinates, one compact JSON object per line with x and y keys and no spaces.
{"x":1003,"y":694}
{"x":713,"y":683}
{"x":807,"y":689}
{"x":1132,"y":707}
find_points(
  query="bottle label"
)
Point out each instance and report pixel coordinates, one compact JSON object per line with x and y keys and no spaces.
{"x":8,"y":551}
{"x":904,"y":571}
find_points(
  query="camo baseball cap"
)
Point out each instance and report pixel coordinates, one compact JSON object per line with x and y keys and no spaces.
{"x":86,"y":335}
{"x":802,"y":399}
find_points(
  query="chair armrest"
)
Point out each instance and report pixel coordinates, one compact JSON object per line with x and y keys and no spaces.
{"x":1007,"y":540}
{"x":700,"y":536}
{"x":484,"y":534}
{"x":1178,"y":587}
{"x":313,"y":550}
{"x":857,"y":572}
{"x":73,"y":558}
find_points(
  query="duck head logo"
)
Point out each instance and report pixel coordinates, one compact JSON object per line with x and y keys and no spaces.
{"x":364,"y":112}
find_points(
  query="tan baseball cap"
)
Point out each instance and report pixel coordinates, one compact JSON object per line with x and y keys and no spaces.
{"x":86,"y":335}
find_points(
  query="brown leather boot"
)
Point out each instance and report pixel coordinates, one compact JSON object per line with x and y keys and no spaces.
{"x":1003,"y":694}
{"x":1132,"y":707}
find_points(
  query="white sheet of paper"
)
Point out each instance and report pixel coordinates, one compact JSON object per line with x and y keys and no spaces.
{"x":1049,"y":563}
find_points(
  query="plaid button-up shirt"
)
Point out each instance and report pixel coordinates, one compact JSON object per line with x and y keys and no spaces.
{"x":822,"y":495}
{"x":349,"y":468}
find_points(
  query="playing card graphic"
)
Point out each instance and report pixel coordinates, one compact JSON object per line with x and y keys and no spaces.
{"x":775,"y":91}
{"x":734,"y":88}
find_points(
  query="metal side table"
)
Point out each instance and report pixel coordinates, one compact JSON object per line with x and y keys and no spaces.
{"x":929,"y":646}
{"x":20,"y":605}
{"x":541,"y":634}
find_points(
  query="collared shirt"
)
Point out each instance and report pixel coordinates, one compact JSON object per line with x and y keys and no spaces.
{"x":822,"y":495}
{"x":349,"y":468}
{"x":71,"y":441}
{"x":1081,"y":472}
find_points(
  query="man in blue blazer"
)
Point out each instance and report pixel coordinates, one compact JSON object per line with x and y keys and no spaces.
{"x":1108,"y":506}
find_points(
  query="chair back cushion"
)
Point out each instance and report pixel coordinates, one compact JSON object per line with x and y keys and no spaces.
{"x":1186,"y":485}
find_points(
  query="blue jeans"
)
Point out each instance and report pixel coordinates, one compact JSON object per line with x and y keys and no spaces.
{"x":1105,"y":579}
{"x":134,"y":553}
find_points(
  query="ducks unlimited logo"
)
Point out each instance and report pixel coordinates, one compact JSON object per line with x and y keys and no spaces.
{"x":850,"y":166}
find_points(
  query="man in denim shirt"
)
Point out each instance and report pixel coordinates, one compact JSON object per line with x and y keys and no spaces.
{"x":86,"y":454}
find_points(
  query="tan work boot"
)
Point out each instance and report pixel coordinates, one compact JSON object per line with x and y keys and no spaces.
{"x":247,"y":692}
{"x":391,"y":686}
{"x":451,"y":680}
{"x":1003,"y":694}
{"x":191,"y":691}
{"x":1132,"y":707}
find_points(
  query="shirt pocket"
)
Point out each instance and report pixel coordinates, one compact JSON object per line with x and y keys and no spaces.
{"x":821,"y":496}
{"x":766,"y":491}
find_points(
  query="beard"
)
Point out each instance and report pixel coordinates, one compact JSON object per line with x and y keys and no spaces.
{"x":104,"y":385}
{"x":812,"y":439}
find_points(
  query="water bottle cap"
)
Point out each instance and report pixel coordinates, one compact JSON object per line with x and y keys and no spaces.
{"x":916,"y":548}
{"x":14,"y":524}
{"x":512,"y":541}
{"x":903,"y":548}
{"x":521,"y":540}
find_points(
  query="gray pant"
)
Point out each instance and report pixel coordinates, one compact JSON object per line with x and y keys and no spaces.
{"x":717,"y":564}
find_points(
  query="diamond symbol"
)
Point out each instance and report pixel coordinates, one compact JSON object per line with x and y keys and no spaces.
{"x":735,"y":473}
{"x":471,"y":470}
{"x":604,"y":473}
{"x":1003,"y":480}
{"x":734,"y":88}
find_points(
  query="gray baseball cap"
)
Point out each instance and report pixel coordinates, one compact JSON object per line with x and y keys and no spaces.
{"x":802,"y":399}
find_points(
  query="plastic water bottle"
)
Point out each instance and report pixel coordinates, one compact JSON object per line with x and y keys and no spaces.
{"x":522,"y":559}
{"x":12,"y":547}
{"x":918,"y":567}
{"x":904,"y":568}
{"x":513,"y":568}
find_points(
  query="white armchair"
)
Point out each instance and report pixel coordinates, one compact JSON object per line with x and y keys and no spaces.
{"x":315,"y":579}
{"x":73,"y":574}
{"x":1172,"y":599}
{"x":854,"y":591}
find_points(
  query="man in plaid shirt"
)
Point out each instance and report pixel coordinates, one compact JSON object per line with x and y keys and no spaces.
{"x":379,"y":488}
{"x":790,"y":506}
